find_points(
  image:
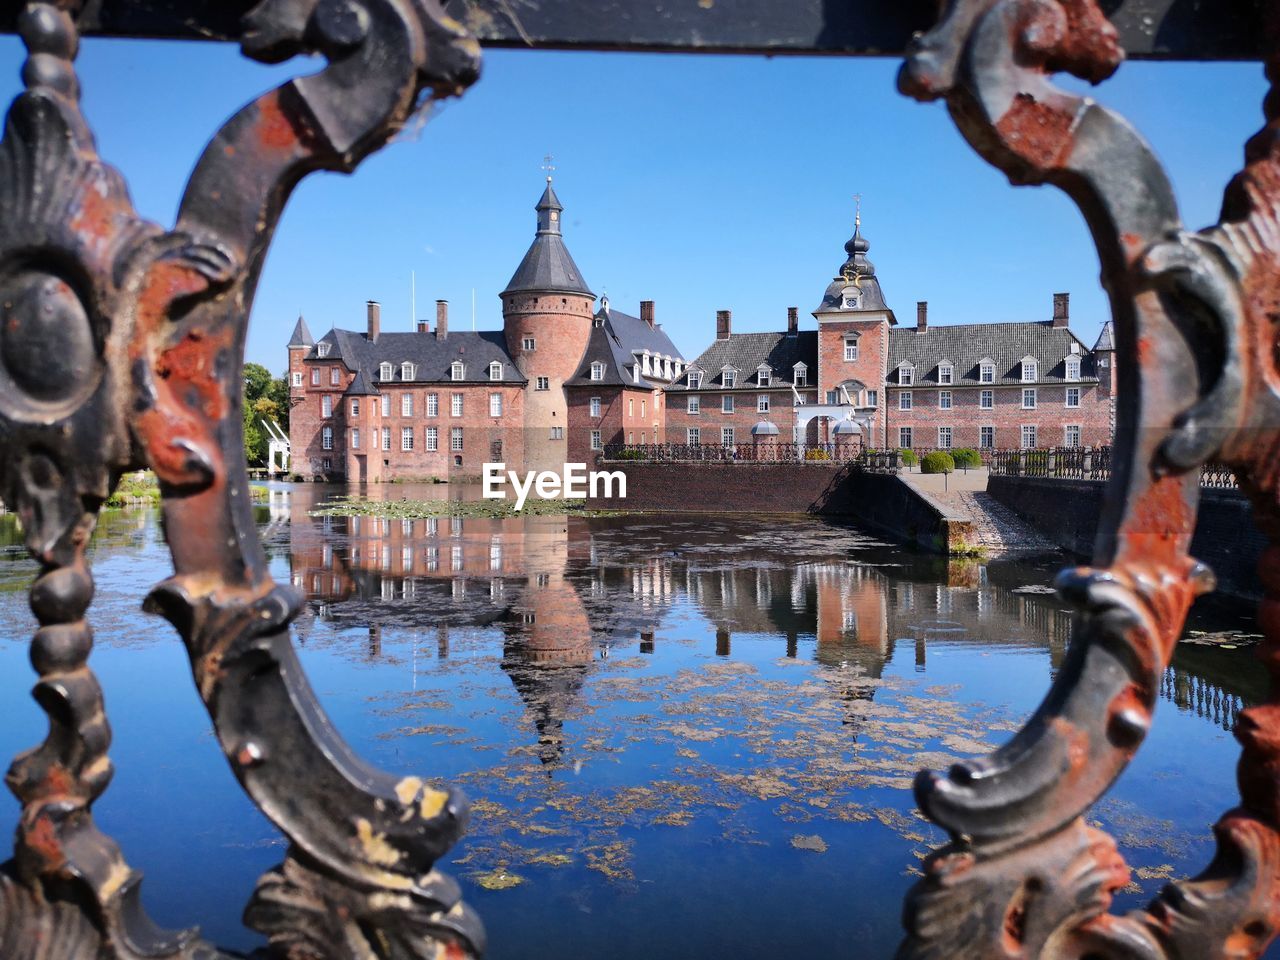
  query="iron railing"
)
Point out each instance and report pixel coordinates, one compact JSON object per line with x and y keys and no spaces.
{"x":1087,"y":463}
{"x":731,"y":453}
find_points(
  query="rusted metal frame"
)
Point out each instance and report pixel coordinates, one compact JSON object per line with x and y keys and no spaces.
{"x":1172,"y":29}
{"x":1025,"y":875}
{"x":149,"y":327}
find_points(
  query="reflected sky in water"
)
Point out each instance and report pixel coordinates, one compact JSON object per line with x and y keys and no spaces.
{"x":681,"y":735}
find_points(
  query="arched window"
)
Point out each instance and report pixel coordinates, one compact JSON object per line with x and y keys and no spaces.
{"x":457,"y":370}
{"x":385,"y":372}
{"x":495,"y":370}
{"x":597,"y":371}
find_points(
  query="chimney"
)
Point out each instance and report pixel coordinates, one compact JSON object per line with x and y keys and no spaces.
{"x":724,"y":324}
{"x":1061,"y":309}
{"x":793,"y":319}
{"x":442,"y":319}
{"x":424,"y":326}
{"x":646,"y":312}
{"x":375,"y":319}
{"x":922,"y":316}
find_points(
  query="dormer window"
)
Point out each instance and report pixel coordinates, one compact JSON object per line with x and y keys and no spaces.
{"x":1030,"y":370}
{"x":457,"y":370}
{"x":495,"y":370}
{"x":1073,"y":368}
{"x":695,"y":379}
{"x":987,"y":371}
{"x":322,"y":349}
{"x":597,"y":370}
{"x":800,"y":375}
{"x":764,"y":375}
{"x":406,"y":371}
{"x":385,"y":371}
{"x":729,"y":378}
{"x":906,"y":375}
{"x":946,"y":373}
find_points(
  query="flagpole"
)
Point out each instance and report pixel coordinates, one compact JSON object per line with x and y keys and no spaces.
{"x":413,"y":300}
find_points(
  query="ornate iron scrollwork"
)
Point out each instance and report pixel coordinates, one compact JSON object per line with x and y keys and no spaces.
{"x":150,"y":328}
{"x":1025,"y":874}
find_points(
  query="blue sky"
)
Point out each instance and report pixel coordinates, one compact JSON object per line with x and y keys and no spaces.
{"x":703,"y":183}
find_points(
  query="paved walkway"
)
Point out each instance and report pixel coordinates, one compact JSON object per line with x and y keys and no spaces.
{"x":999,"y":531}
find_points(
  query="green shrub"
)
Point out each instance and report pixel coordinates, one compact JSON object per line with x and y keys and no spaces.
{"x":967,"y":458}
{"x":817,"y":454}
{"x":630,"y":455}
{"x":908,"y":457}
{"x":937,"y":462}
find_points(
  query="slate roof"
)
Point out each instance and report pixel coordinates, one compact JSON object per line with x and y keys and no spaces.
{"x":613,"y":339}
{"x":360,"y":387}
{"x":431,"y":357}
{"x":747,"y":351}
{"x":856,"y":267}
{"x":967,"y":344}
{"x":301,"y":334}
{"x":1107,"y":338}
{"x":548,"y":267}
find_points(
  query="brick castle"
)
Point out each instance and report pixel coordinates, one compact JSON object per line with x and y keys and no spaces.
{"x":565,"y":376}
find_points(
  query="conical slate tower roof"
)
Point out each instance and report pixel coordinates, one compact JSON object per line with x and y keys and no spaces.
{"x":301,"y":335}
{"x":548,"y":267}
{"x":857,"y":272}
{"x":1107,"y":338}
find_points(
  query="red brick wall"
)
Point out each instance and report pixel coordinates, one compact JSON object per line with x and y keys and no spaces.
{"x":306,"y":421}
{"x":870,"y":367}
{"x":624,"y":412}
{"x":710,"y":419}
{"x":966,"y":416}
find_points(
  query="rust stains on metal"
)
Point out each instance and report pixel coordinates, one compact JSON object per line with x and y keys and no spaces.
{"x":1039,"y":133}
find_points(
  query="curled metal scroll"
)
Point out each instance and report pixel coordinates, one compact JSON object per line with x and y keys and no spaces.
{"x":151,"y":327}
{"x":1024,"y":875}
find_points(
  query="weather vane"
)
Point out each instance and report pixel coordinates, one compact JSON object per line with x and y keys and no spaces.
{"x":548,"y":166}
{"x":857,"y":220}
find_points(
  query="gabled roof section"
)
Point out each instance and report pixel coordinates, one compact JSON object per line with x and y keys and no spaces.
{"x":615,"y":339}
{"x":360,"y":387}
{"x":548,"y":267}
{"x":967,"y":345}
{"x":301,"y":334}
{"x":430,"y":356}
{"x":748,"y":351}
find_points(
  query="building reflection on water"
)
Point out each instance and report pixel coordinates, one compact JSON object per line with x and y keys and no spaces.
{"x":567,"y":591}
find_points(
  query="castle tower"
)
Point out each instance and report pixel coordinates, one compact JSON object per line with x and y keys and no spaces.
{"x":547,"y":314}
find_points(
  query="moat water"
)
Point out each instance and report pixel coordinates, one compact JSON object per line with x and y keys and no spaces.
{"x":683,"y":737}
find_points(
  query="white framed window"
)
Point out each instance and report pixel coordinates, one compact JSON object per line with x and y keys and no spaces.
{"x":326,"y":464}
{"x":944,"y":438}
{"x":694,"y":405}
{"x":406,"y":438}
{"x":694,"y":436}
{"x":322,"y":349}
{"x":904,"y":400}
{"x":873,"y":398}
{"x":904,"y":437}
{"x":946,"y":373}
{"x":1073,"y":368}
{"x":906,"y":375}
{"x":1071,"y":435}
{"x":495,"y":371}
{"x":762,"y":403}
{"x":1073,"y":396}
{"x":315,"y":376}
{"x":644,"y":408}
{"x":597,"y":370}
{"x":596,"y":444}
{"x":385,"y":371}
{"x":326,"y":405}
{"x":695,"y":379}
{"x":987,"y":372}
{"x":386,"y":404}
{"x":850,"y":350}
{"x":455,"y":405}
{"x":386,"y":438}
{"x":631,"y":406}
{"x":1028,"y":436}
{"x":729,"y":378}
{"x":433,"y":438}
{"x":355,"y":438}
{"x":987,"y":437}
{"x":455,"y":439}
{"x":595,"y":406}
{"x":1030,"y":370}
{"x":528,"y":344}
{"x":833,"y":397}
{"x":433,"y":404}
{"x":355,"y":407}
{"x":495,"y":404}
{"x":297,"y":379}
{"x":726,"y":404}
{"x":406,"y":404}
{"x":764,"y":376}
{"x":543,"y":383}
{"x":326,"y":438}
{"x":944,"y":399}
{"x":726,"y":436}
{"x":557,"y":433}
{"x":800,"y":375}
{"x":1028,"y":398}
{"x":987,"y":399}
{"x":335,"y":376}
{"x":457,"y":370}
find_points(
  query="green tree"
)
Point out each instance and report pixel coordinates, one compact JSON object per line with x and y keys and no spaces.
{"x":265,"y":398}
